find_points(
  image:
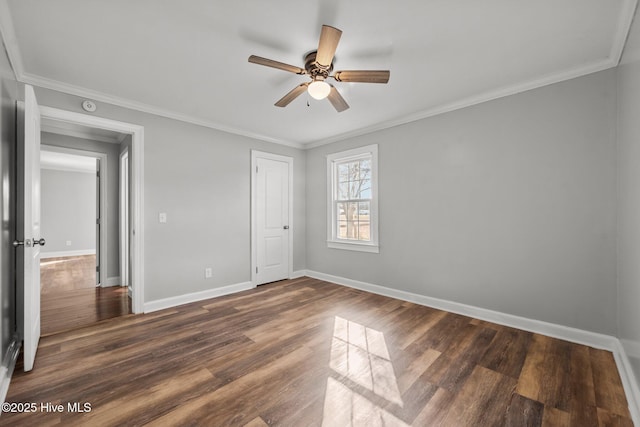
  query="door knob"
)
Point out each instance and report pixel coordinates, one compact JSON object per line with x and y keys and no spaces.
{"x":286,"y":227}
{"x":40,"y":242}
{"x":26,"y":242}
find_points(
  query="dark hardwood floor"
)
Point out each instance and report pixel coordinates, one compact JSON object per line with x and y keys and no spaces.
{"x":67,"y":273}
{"x":69,"y":297}
{"x":64,"y":310}
{"x":309,"y":353}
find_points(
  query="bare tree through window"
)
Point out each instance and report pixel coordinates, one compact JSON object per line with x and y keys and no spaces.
{"x":353,"y":202}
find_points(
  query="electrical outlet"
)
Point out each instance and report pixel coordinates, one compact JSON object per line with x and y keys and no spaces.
{"x":68,"y":242}
{"x":208,"y":273}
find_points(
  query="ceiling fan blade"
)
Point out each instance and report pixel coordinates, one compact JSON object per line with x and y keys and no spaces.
{"x":275,"y":64}
{"x":363,"y":76}
{"x":329,"y":38}
{"x":337,"y":100}
{"x":296,"y":92}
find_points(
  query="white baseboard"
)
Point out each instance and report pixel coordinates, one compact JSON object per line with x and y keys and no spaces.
{"x":61,"y":254}
{"x":6,"y":370}
{"x":298,"y":274}
{"x":161,"y":304}
{"x":111,"y":281}
{"x":629,"y":380}
{"x":579,"y":336}
{"x":591,"y":339}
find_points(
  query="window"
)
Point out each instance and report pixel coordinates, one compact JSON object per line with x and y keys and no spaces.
{"x":353,"y":199}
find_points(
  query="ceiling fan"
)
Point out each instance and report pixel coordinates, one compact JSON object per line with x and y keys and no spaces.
{"x":318,"y":65}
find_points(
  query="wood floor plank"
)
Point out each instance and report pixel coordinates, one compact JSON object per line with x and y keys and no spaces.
{"x":483,"y":400}
{"x":311,"y":353}
{"x":451,"y":370}
{"x":507,"y":352}
{"x":436,"y":409}
{"x":606,"y":418}
{"x":553,"y":417}
{"x":416,"y":368}
{"x":524,"y":412}
{"x":530,"y":380}
{"x":256,"y":422}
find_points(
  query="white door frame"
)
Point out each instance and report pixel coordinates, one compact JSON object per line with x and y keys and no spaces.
{"x":124,"y":217}
{"x":255,"y":155}
{"x":137,"y":188}
{"x":103,"y":199}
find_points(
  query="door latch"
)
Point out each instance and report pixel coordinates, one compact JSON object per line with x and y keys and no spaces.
{"x":26,"y":242}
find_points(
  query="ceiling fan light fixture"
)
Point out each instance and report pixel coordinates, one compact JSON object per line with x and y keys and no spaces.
{"x":319,"y":89}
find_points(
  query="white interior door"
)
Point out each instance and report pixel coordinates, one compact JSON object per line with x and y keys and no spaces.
{"x":272,"y":220}
{"x":29,"y":234}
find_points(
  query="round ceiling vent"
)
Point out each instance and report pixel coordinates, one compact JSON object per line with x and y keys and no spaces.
{"x":89,"y":106}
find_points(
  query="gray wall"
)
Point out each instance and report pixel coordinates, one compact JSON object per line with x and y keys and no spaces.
{"x":9,"y":94}
{"x":200,"y":178}
{"x":112,"y":176}
{"x":68,"y":210}
{"x":508,"y":205}
{"x":629,"y":198}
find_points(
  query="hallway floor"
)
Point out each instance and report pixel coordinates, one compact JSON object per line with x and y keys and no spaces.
{"x":70,"y":298}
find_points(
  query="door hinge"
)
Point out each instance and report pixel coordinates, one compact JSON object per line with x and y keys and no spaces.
{"x":98,"y":221}
{"x":256,"y":270}
{"x":97,"y":268}
{"x":256,"y":169}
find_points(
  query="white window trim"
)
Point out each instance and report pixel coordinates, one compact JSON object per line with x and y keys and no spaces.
{"x":332,"y":241}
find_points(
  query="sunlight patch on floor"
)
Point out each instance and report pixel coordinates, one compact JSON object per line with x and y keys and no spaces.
{"x":359,"y":355}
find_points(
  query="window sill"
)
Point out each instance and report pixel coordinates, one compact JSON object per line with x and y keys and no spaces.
{"x":360,"y":247}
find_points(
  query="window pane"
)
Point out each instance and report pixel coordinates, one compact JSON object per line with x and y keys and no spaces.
{"x":342,"y":229}
{"x":362,"y":189}
{"x":364,"y":230}
{"x":352,"y":230}
{"x":364,"y":215}
{"x":341,"y":211}
{"x":352,"y":211}
{"x":343,"y":172}
{"x":343,"y":191}
{"x":365,"y":193}
{"x":363,"y":211}
{"x":354,"y":171}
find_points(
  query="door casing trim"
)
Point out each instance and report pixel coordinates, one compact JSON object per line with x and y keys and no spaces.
{"x":137,"y":188}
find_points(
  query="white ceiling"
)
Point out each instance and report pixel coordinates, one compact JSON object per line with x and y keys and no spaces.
{"x":188,"y":59}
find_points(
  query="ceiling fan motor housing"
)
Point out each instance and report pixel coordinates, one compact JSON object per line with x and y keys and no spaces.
{"x":314,"y":69}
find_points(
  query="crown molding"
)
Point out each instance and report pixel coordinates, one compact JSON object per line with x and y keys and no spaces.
{"x":83,"y":92}
{"x":625,"y":20}
{"x":473,"y":100}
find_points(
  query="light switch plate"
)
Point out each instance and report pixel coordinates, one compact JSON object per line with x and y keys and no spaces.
{"x":162,"y":217}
